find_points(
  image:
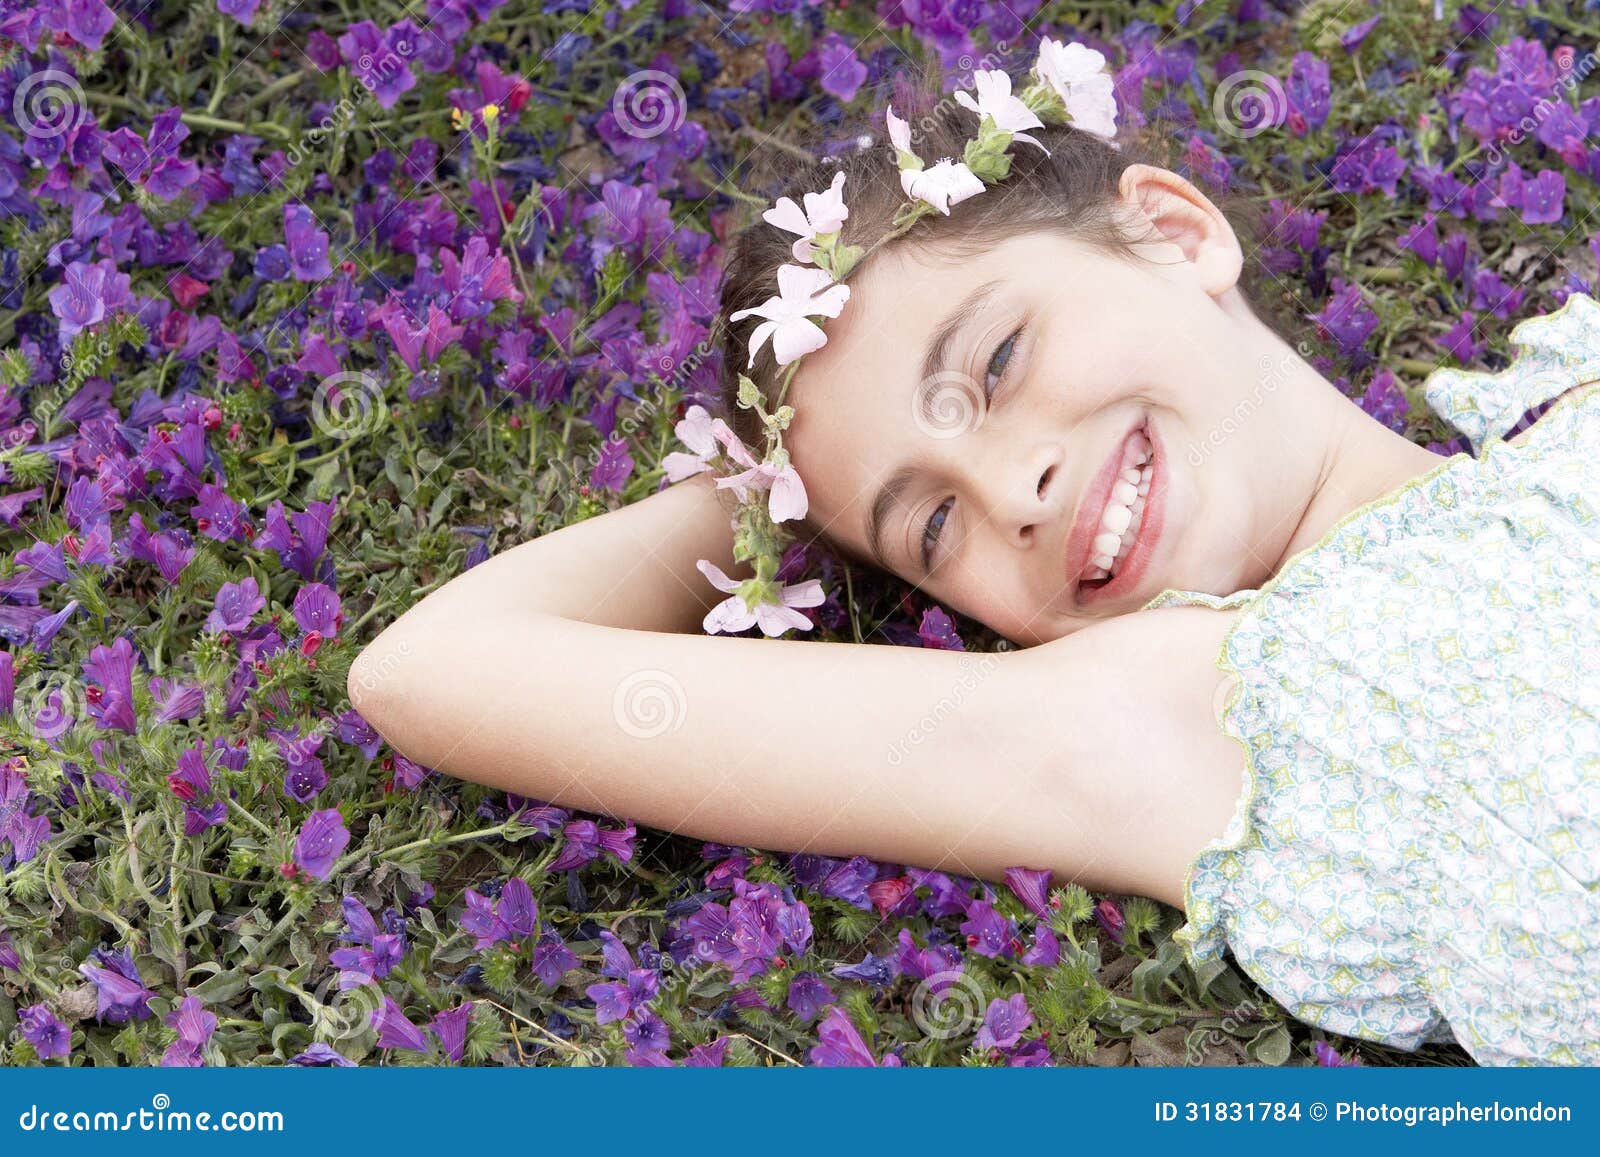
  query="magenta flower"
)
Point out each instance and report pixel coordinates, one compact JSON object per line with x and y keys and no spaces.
{"x":321,"y":840}
{"x":1032,"y":887}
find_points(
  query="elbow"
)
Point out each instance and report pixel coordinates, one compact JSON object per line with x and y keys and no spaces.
{"x":375,"y":681}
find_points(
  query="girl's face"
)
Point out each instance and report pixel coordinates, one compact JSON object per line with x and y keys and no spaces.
{"x":1046,"y":434}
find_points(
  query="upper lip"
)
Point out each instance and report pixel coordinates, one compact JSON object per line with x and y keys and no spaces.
{"x":1091,"y":507}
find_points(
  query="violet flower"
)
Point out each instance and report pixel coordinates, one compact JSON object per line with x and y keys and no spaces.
{"x":46,"y":1032}
{"x":321,"y":840}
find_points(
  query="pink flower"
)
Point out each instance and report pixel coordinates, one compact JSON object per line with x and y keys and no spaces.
{"x":786,"y":496}
{"x":825,"y":212}
{"x":803,"y":293}
{"x":694,"y":430}
{"x":732,"y":615}
{"x":947,"y":183}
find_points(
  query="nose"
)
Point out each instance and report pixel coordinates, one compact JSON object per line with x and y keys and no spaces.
{"x":1021,"y":493}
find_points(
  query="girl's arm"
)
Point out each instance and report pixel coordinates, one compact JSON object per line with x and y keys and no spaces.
{"x":547,"y":671}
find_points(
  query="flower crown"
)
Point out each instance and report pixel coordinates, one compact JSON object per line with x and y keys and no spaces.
{"x":1071,"y":86}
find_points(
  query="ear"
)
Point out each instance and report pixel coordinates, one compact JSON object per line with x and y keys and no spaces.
{"x":1157,"y":204}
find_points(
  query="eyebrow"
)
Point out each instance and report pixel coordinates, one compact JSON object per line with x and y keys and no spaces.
{"x":933,"y":364}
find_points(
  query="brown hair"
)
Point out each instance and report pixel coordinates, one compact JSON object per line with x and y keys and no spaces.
{"x":1072,"y":189}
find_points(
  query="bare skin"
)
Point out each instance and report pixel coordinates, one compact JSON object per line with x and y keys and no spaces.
{"x":1095,"y":752}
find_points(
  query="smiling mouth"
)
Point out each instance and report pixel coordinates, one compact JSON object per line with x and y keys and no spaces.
{"x":1118,"y":520}
{"x":1118,"y":528}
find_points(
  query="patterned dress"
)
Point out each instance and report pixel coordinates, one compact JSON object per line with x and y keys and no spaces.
{"x":1415,"y":855}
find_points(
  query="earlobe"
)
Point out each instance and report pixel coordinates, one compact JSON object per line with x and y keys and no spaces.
{"x":1162,"y":206}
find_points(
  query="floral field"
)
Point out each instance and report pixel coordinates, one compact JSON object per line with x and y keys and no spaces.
{"x":305,"y":308}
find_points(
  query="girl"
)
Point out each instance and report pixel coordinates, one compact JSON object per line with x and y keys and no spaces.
{"x":1336,"y":697}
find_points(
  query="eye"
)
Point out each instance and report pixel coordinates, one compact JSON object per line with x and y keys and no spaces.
{"x":931,"y":531}
{"x":998,"y":362}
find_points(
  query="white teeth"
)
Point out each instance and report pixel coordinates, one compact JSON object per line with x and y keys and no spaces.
{"x":1123,"y":515}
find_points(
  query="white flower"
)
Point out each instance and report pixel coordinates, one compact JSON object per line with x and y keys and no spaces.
{"x":947,"y":183}
{"x":899,"y":132}
{"x":1078,"y":75}
{"x":696,"y":432}
{"x":825,"y":212}
{"x":732,"y":615}
{"x":995,"y":100}
{"x":802,"y":294}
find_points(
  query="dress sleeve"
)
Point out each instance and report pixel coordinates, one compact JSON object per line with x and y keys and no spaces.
{"x":1555,"y":351}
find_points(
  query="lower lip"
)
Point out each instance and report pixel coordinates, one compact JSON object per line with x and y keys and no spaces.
{"x":1131,"y":573}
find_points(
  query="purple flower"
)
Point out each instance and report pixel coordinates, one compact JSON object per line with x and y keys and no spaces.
{"x":175,"y":701}
{"x":988,"y":932}
{"x":808,"y":995}
{"x":46,"y":1032}
{"x":395,"y":1031}
{"x":316,"y":609}
{"x":841,"y":1045}
{"x":1032,"y":887}
{"x":381,"y":61}
{"x":450,"y":1026}
{"x":937,"y":631}
{"x":8,"y":953}
{"x":86,"y":21}
{"x":1330,"y":1057}
{"x":120,"y":992}
{"x":514,"y":916}
{"x":322,"y":1054}
{"x":195,"y":1026}
{"x":1458,"y":338}
{"x":614,"y":467}
{"x":376,"y":954}
{"x":840,"y":72}
{"x":244,"y":11}
{"x":1346,"y":318}
{"x":308,"y":245}
{"x":88,"y":294}
{"x":1309,"y":92}
{"x":552,"y":959}
{"x":111,"y":703}
{"x":237,"y":603}
{"x":322,"y":838}
{"x":1004,"y":1023}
